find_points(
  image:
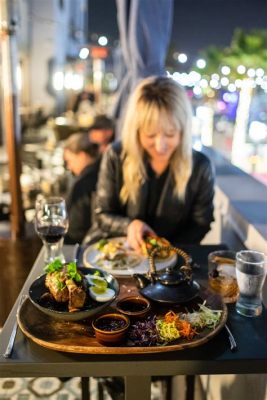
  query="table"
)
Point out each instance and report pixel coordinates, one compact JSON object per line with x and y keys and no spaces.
{"x":30,"y":360}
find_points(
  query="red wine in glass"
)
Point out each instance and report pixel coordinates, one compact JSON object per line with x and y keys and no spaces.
{"x":51,"y":234}
{"x":51,"y":224}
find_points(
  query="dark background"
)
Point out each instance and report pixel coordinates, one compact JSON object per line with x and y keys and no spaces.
{"x":197,"y":24}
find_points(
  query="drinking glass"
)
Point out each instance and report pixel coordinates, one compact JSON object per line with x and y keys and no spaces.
{"x":51,"y":224}
{"x":250,"y":273}
{"x":222,"y":274}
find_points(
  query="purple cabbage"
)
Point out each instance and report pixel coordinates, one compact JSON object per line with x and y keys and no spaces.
{"x":144,"y":333}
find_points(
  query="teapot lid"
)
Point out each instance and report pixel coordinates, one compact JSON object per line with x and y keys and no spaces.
{"x":170,"y":277}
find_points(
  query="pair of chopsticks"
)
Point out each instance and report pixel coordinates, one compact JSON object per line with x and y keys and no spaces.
{"x":12,"y":338}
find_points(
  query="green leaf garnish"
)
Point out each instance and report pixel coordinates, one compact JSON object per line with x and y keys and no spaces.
{"x":55,"y":265}
{"x":60,"y":285}
{"x":101,"y":244}
{"x":72,"y":272}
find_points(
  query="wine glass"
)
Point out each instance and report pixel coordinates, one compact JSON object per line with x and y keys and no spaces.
{"x":51,"y":224}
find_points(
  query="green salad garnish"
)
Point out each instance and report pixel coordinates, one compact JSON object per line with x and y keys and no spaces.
{"x":57,"y":266}
{"x":72,"y":272}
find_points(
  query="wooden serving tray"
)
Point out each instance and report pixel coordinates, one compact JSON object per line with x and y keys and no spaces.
{"x":78,"y":336}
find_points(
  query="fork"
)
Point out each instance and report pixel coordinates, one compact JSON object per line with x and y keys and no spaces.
{"x":233,"y":344}
{"x":11,"y":341}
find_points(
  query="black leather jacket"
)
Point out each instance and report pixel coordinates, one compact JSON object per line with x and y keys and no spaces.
{"x":180,"y":222}
{"x":80,"y":203}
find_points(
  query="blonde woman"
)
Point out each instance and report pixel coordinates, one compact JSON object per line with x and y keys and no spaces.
{"x":152,"y":181}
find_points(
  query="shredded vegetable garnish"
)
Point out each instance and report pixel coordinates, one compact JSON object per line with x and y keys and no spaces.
{"x":170,"y":317}
{"x":172,"y":326}
{"x":186,"y":330}
{"x":144,"y":333}
{"x":205,"y":317}
{"x":168,"y":331}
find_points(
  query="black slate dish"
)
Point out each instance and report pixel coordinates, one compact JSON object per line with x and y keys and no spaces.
{"x":60,"y":310}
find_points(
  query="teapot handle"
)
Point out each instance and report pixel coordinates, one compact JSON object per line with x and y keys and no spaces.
{"x":185,"y":269}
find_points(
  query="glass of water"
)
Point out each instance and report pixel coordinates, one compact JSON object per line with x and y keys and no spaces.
{"x":250,"y":274}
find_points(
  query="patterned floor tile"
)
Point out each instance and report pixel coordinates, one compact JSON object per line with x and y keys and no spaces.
{"x":54,"y":389}
{"x":44,"y":389}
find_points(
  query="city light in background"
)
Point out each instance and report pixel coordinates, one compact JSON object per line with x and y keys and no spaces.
{"x":224,"y":73}
{"x":84,"y":53}
{"x":217,"y":92}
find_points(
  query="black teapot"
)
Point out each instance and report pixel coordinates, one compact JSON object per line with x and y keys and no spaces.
{"x":171,"y":286}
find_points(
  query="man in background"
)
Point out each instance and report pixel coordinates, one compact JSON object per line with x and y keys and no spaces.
{"x":83,"y":159}
{"x":101,"y":131}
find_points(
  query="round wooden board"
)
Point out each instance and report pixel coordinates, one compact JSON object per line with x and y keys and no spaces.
{"x":78,"y":337}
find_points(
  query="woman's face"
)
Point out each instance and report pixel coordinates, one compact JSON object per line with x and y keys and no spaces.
{"x":160,"y":142}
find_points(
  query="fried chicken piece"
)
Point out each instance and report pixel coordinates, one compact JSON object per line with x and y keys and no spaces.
{"x":64,"y":289}
{"x":55,"y":282}
{"x":77,"y":295}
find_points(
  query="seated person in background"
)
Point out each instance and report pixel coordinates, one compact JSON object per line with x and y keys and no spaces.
{"x":82,"y":159}
{"x":101,"y":131}
{"x":84,"y":107}
{"x":85,"y":96}
{"x":153,"y":181}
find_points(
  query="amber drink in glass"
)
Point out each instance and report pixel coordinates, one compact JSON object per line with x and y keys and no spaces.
{"x":222,"y":274}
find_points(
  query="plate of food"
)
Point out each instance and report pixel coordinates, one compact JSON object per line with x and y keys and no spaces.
{"x":115,"y":255}
{"x":70,"y":293}
{"x":163,"y":329}
{"x":153,"y":242}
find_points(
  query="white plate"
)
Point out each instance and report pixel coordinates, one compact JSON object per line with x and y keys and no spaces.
{"x":135,"y":263}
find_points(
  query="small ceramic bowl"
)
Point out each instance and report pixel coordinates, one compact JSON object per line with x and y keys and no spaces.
{"x":111,"y":329}
{"x":134,"y":306}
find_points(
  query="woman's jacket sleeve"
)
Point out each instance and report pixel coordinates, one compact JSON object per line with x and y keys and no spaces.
{"x":109,"y":209}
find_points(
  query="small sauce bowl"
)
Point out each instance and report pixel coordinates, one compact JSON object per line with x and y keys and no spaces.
{"x":134,"y":306}
{"x":111,"y":328}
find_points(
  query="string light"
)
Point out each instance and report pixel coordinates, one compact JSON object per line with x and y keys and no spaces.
{"x":182,"y":58}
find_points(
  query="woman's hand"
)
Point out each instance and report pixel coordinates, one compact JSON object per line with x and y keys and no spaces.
{"x":135,"y":233}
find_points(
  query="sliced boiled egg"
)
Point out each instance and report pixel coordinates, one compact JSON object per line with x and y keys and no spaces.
{"x":101,"y":294}
{"x":96,"y":280}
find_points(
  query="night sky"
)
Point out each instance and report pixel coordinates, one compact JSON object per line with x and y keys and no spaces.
{"x":197,"y":24}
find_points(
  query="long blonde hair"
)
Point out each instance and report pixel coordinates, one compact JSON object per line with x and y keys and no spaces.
{"x":154,"y":100}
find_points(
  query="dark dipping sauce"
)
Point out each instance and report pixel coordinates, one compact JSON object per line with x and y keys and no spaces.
{"x":132,"y":306}
{"x":110,"y":324}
